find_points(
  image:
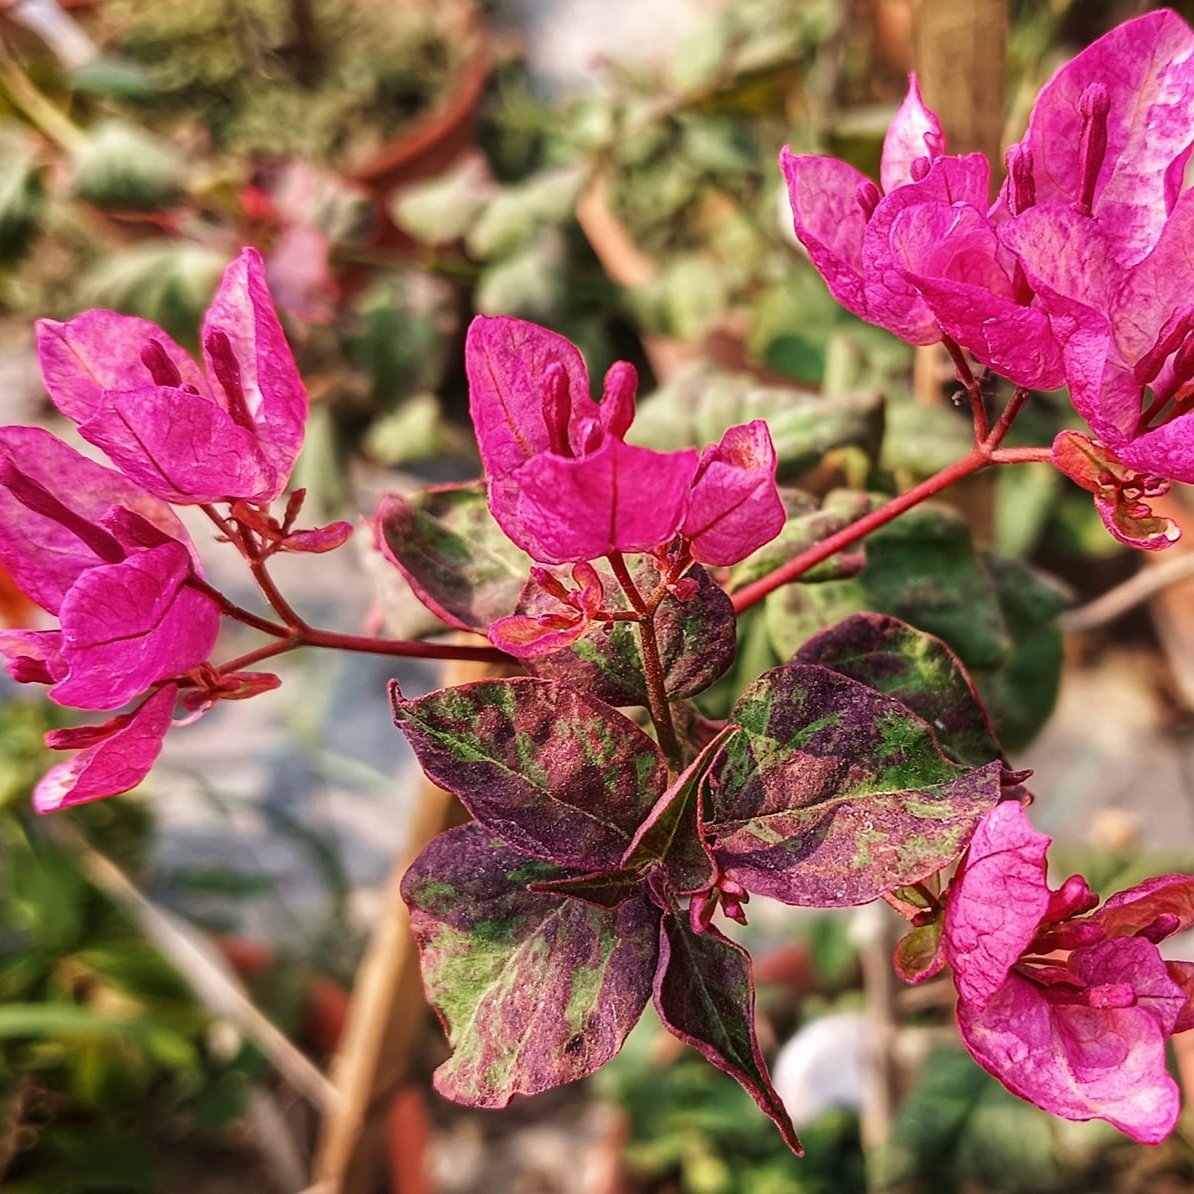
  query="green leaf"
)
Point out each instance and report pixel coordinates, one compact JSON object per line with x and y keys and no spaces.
{"x":455,"y":557}
{"x":121,"y":166}
{"x":920,"y":568}
{"x":960,"y":1129}
{"x":530,"y":283}
{"x":442,"y":209}
{"x":557,"y":774}
{"x":1022,"y":692}
{"x":535,"y":989}
{"x":834,"y":793}
{"x":168,"y":282}
{"x":517,"y":214}
{"x":922,"y":439}
{"x":698,"y":406}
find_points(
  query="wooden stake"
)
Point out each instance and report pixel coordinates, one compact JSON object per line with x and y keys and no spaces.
{"x":387,"y":1008}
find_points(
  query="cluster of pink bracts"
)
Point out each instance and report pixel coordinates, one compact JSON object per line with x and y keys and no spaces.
{"x":1079,"y":273}
{"x":102,"y":550}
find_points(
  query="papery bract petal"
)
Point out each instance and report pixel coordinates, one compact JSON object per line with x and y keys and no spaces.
{"x":115,"y":757}
{"x":1016,"y":341}
{"x":125,"y":626}
{"x":1136,"y":966}
{"x":914,"y":133}
{"x":1075,"y":1061}
{"x":995,"y":902}
{"x":619,"y":498}
{"x":1182,"y":975}
{"x":273,"y":391}
{"x":532,"y":638}
{"x":99,"y":351}
{"x":1153,"y":290}
{"x":44,"y":555}
{"x":319,"y":539}
{"x":829,"y":221}
{"x":34,"y":656}
{"x":507,"y":361}
{"x":734,"y":506}
{"x":892,"y":301}
{"x":181,"y":446}
{"x":1129,"y":912}
{"x":1147,"y":68}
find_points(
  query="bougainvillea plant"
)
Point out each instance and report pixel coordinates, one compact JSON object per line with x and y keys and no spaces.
{"x":622,"y":804}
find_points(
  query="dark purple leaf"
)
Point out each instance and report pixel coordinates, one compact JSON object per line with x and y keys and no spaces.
{"x":697,"y":638}
{"x":606,"y":889}
{"x":915,"y":668}
{"x":533,"y":989}
{"x":544,"y":766}
{"x":671,"y":832}
{"x":705,"y":995}
{"x":834,"y":793}
{"x":456,"y":559}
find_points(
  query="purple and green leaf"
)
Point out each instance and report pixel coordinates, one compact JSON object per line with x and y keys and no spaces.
{"x":534,"y":989}
{"x":834,"y":793}
{"x":705,"y":996}
{"x":455,"y":557}
{"x":915,"y":668}
{"x":553,"y":772}
{"x":671,"y":834}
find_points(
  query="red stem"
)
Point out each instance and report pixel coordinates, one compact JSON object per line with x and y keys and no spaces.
{"x":658,"y":704}
{"x":965,"y":375}
{"x":981,"y":456}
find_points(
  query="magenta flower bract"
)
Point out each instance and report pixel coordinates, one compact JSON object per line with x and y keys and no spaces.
{"x":186,"y":436}
{"x":921,"y":258}
{"x":734,"y":507}
{"x":112,"y":758}
{"x":1081,"y":1034}
{"x":562,"y":482}
{"x":1110,"y":134}
{"x":111,"y":562}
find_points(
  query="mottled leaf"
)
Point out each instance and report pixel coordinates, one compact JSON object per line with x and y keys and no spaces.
{"x":834,"y":793}
{"x":671,"y":832}
{"x":921,"y":568}
{"x":920,"y":671}
{"x":705,"y":995}
{"x":534,"y":989}
{"x":457,"y":560}
{"x":558,"y":775}
{"x":606,"y":889}
{"x":697,"y":638}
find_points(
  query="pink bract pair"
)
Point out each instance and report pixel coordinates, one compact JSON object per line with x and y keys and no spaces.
{"x":567,"y":488}
{"x":1078,"y":273}
{"x":102,"y":551}
{"x":1069,"y":1008}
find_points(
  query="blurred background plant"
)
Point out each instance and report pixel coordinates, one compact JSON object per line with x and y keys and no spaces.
{"x":404,"y":166}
